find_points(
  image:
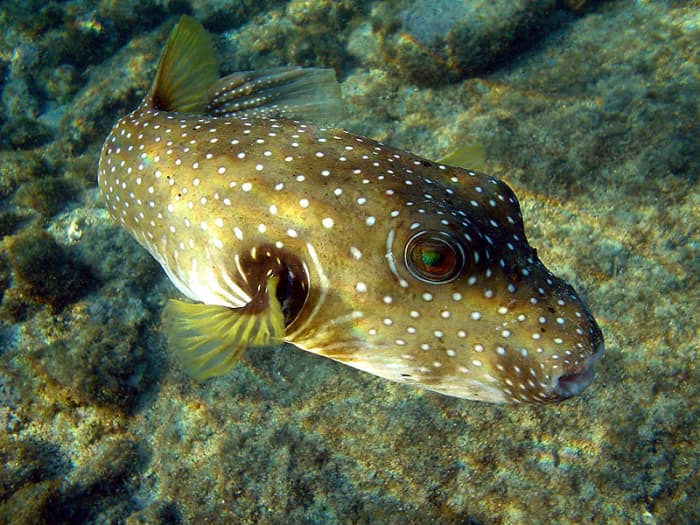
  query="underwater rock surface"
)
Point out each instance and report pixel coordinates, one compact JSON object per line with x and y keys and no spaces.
{"x":594,"y":128}
{"x":431,"y":42}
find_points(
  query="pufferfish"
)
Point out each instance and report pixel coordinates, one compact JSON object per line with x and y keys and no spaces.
{"x":281,"y":230}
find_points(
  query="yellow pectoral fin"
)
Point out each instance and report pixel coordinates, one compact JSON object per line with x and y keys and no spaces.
{"x":469,"y":157}
{"x":209,"y":339}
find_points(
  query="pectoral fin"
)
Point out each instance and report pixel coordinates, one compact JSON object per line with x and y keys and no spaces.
{"x":209,"y":339}
{"x":469,"y":157}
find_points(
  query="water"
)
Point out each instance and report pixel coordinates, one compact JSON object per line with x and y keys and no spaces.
{"x":593,"y":126}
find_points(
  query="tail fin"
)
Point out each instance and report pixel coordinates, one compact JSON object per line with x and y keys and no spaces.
{"x":187,"y":69}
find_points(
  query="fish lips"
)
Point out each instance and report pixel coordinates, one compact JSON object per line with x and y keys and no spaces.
{"x":569,"y":385}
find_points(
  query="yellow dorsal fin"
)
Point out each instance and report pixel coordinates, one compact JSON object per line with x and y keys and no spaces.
{"x":209,"y":339}
{"x":187,"y":69}
{"x":291,"y":92}
{"x":470,"y":157}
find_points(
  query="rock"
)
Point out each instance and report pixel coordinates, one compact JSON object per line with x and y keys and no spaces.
{"x":433,"y":42}
{"x":46,"y":272}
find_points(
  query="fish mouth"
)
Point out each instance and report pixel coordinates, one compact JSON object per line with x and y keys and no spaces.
{"x":569,"y":385}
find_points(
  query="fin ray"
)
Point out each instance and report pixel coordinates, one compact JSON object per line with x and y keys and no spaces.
{"x":187,"y":69}
{"x":469,"y":157}
{"x":210,"y":339}
{"x":289,"y":92}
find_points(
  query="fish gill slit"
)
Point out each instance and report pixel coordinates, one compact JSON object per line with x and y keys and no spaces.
{"x":323,"y":286}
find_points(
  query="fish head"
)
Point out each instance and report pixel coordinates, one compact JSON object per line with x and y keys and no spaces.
{"x":482,"y":316}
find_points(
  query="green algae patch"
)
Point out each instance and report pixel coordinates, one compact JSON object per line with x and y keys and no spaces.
{"x":34,"y":16}
{"x":15,"y":308}
{"x":47,"y":196}
{"x":46,"y":272}
{"x":25,"y":133}
{"x":106,"y":361}
{"x":114,"y":464}
{"x":27,"y":461}
{"x":104,"y":367}
{"x":17,"y":167}
{"x":9,"y":221}
{"x":4,"y":275}
{"x":158,"y":513}
{"x":28,"y":505}
{"x":102,"y":486}
{"x":30,"y":477}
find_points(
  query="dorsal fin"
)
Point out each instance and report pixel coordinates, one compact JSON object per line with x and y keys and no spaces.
{"x":290,"y":92}
{"x":187,"y":69}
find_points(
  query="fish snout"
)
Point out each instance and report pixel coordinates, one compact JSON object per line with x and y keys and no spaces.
{"x":571,"y":384}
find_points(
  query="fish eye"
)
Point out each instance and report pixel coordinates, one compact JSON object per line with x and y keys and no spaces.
{"x":433,"y":257}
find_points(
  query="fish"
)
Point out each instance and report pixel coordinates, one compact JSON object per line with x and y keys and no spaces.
{"x":278,"y":228}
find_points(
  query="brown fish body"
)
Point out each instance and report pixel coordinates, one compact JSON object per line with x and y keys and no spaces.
{"x":396,"y":265}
